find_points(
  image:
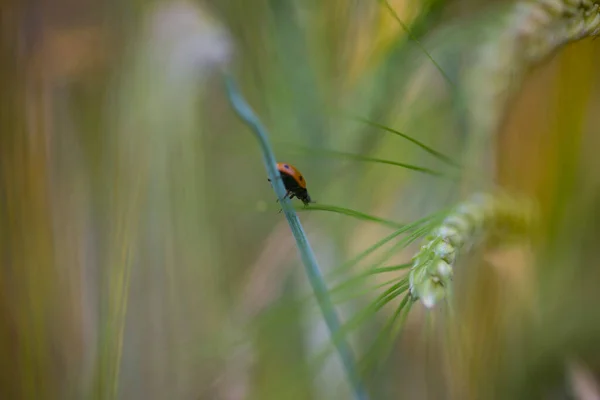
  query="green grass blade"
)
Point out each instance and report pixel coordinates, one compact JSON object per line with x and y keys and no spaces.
{"x":354,"y":281}
{"x":415,"y":227}
{"x":313,"y":272}
{"x":350,"y":213}
{"x":394,"y":14}
{"x":385,"y":337}
{"x":422,"y":145}
{"x":356,"y":294}
{"x":359,"y":157}
{"x":363,"y":315}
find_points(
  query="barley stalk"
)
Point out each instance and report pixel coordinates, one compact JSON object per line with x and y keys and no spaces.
{"x":530,"y":32}
{"x":482,"y":219}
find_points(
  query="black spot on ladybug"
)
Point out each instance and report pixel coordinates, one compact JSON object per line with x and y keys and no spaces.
{"x":301,"y":178}
{"x":286,"y":166}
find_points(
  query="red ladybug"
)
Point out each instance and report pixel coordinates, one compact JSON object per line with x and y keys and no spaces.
{"x":294,"y":183}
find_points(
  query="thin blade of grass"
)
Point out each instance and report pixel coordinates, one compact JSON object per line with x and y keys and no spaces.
{"x":428,"y":149}
{"x":407,"y":228}
{"x":354,"y":295}
{"x":337,"y":293}
{"x":359,"y":157}
{"x":367,"y":312}
{"x":350,"y":213}
{"x":313,"y":271}
{"x":418,"y":232}
{"x":394,"y":14}
{"x":385,"y":337}
{"x":390,"y":268}
{"x":354,"y":281}
{"x":404,"y":242}
{"x":392,"y":294}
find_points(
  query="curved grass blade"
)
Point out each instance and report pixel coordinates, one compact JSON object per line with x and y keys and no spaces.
{"x":385,"y":338}
{"x":308,"y":300}
{"x":403,"y":243}
{"x":428,"y":149}
{"x":367,"y":312}
{"x":391,"y":268}
{"x":355,"y":282}
{"x":313,"y":272}
{"x":351,"y":263}
{"x":357,"y":294}
{"x":352,"y":282}
{"x":350,"y":213}
{"x":391,"y":82}
{"x":429,"y":221}
{"x":370,"y":310}
{"x":406,"y":241}
{"x":359,"y":157}
{"x":415,"y":227}
{"x":393,"y":13}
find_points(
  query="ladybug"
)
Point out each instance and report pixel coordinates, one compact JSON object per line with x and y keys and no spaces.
{"x":294,"y":183}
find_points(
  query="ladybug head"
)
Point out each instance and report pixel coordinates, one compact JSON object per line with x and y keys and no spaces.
{"x":306,"y":199}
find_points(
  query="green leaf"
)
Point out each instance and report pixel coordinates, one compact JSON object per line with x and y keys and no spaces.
{"x":350,"y":213}
{"x":385,"y":338}
{"x":359,"y":157}
{"x":428,"y":149}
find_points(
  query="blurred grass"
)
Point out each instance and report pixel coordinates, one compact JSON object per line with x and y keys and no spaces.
{"x":138,"y":248}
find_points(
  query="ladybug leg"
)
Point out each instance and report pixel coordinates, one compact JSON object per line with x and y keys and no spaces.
{"x":286,"y":195}
{"x":281,"y":209}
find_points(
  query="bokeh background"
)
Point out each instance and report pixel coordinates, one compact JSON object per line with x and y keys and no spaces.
{"x":142,"y":253}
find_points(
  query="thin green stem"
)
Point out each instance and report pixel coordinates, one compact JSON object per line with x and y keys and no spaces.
{"x":308,"y":258}
{"x":349,"y":212}
{"x":428,"y":149}
{"x":360,"y":157}
{"x":412,"y":37}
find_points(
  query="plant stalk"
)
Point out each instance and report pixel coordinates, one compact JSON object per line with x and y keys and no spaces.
{"x":313,"y":271}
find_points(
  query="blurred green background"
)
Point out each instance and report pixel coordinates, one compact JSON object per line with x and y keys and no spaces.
{"x":142,"y":253}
